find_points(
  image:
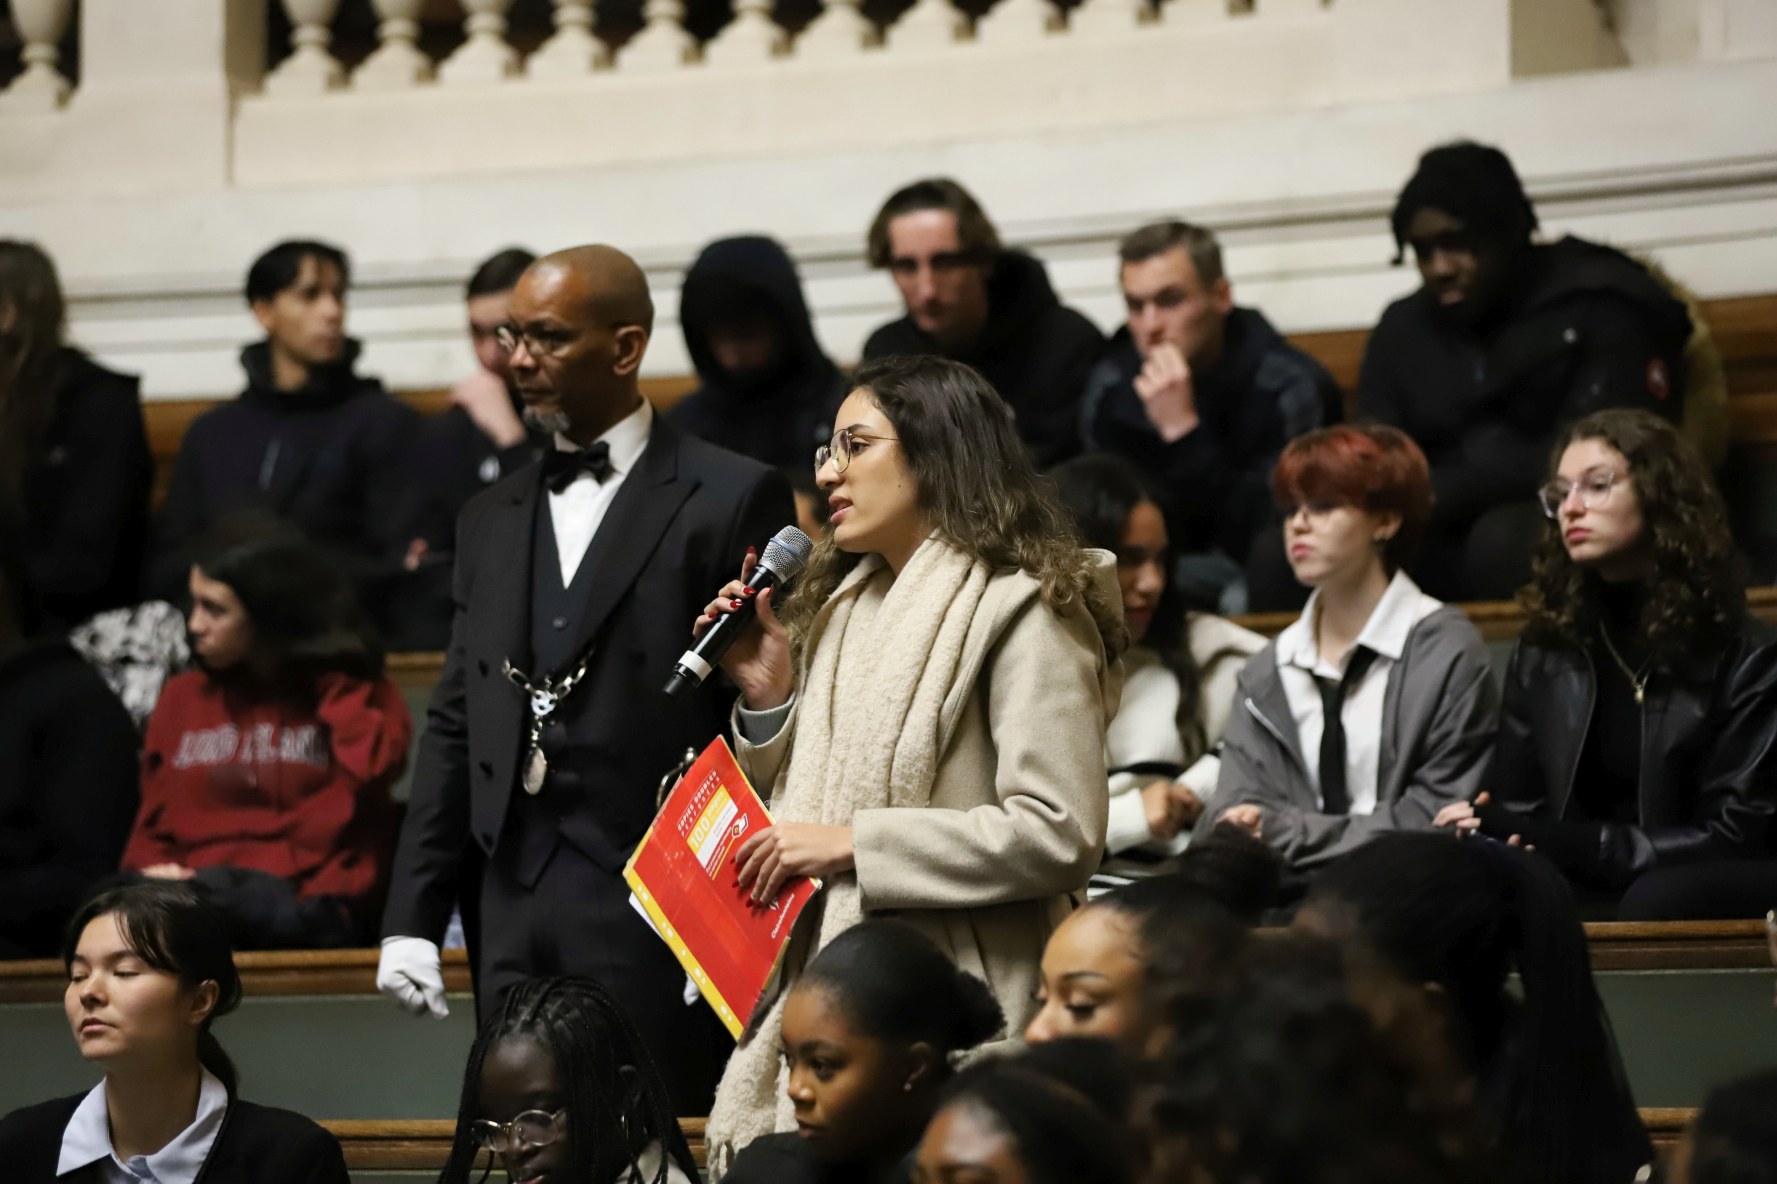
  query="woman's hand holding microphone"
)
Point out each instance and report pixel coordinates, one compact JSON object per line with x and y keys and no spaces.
{"x":761,"y":665}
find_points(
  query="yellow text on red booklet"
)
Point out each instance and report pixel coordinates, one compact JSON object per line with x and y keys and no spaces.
{"x":683,"y":876}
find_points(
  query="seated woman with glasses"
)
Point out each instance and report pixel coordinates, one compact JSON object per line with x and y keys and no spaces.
{"x":933,"y":738}
{"x":1376,"y":708}
{"x":1638,"y":742}
{"x":559,"y":1087}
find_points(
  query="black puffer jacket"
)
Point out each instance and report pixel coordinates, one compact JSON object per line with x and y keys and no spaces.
{"x":779,"y":417}
{"x":1035,"y":351}
{"x":1708,"y":782}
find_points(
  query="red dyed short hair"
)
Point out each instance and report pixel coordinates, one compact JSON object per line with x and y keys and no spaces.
{"x":1375,"y":468}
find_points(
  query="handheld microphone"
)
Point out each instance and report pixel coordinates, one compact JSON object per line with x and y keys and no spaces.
{"x":785,"y":556}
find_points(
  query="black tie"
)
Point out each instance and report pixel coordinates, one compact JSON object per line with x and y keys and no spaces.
{"x":1334,"y":797}
{"x":560,"y":469}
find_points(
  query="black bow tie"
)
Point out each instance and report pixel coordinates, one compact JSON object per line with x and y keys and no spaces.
{"x":560,"y":469}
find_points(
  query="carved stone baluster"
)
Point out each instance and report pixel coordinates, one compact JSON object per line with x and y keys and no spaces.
{"x":840,"y":31}
{"x":1012,"y":22}
{"x":485,"y":57}
{"x":663,"y":42}
{"x":310,"y":68}
{"x":929,"y":24}
{"x":573,"y":51}
{"x":398,"y":62}
{"x":752,"y":36}
{"x":40,"y":25}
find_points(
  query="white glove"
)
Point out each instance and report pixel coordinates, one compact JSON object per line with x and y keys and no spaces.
{"x":411,"y":974}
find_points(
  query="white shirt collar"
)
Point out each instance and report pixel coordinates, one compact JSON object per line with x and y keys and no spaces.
{"x":1402,"y":606}
{"x":628,"y":438}
{"x":87,"y":1138}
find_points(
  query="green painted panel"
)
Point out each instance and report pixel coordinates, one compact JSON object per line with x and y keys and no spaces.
{"x":1684,"y":1031}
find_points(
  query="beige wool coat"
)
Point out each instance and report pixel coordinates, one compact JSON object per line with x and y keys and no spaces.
{"x":1015,"y":825}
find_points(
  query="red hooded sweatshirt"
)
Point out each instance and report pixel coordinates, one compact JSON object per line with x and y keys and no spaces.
{"x":259,"y":784}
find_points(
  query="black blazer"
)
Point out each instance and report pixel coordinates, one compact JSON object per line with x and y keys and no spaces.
{"x":675,"y":533}
{"x":1708,"y":787}
{"x":256,"y":1144}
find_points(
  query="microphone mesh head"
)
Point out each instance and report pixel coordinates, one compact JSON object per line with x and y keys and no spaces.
{"x":787,"y":553}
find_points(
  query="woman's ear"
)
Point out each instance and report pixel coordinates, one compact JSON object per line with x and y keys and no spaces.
{"x":203,"y":1002}
{"x":924,"y":1065}
{"x":1387,"y":526}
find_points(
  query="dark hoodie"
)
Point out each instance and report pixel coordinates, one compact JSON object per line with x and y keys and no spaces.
{"x":1034,"y":350}
{"x":330,"y":458}
{"x":779,"y":417}
{"x":1585,"y":328}
{"x":1262,"y":393}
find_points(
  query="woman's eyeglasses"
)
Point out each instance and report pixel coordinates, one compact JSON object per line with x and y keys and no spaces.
{"x":841,"y":448}
{"x":533,"y":1128}
{"x":1594,"y":490}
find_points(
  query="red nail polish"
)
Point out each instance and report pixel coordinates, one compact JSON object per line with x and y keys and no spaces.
{"x":735,"y":603}
{"x":749,"y":592}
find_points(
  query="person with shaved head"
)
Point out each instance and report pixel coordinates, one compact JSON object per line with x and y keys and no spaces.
{"x":549,"y":732}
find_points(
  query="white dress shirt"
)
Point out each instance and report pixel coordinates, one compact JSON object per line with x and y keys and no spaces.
{"x":1299,"y":663}
{"x":87,"y":1139}
{"x":578,"y":510}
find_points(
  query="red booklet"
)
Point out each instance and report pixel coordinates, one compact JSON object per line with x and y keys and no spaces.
{"x":682,"y":876}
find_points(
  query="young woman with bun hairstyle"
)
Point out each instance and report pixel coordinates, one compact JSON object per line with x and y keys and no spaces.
{"x":149,"y":971}
{"x":1376,"y":708}
{"x":868,"y":1035}
{"x":1462,"y":918}
{"x":1638,"y":742}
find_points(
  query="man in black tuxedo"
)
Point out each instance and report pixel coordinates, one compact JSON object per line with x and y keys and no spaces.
{"x":590,"y":562}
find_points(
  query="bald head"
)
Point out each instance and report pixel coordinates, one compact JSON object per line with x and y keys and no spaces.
{"x":608,"y":282}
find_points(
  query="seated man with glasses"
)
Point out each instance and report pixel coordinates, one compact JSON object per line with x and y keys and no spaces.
{"x":1638,"y":741}
{"x":560,"y":1087}
{"x":1506,"y":341}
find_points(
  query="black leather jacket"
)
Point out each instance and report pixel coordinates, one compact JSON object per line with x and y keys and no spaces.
{"x":1708,"y":784}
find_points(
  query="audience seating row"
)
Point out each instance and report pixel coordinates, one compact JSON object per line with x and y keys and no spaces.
{"x":1744,"y":328}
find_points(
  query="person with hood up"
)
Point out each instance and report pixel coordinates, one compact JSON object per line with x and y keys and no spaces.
{"x":971,"y":300}
{"x":765,"y":388}
{"x":309,"y":440}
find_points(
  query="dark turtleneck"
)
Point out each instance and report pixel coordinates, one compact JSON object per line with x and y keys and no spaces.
{"x":1606,"y":784}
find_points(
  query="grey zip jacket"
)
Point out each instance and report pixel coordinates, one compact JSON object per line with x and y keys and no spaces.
{"x":1439,"y":716}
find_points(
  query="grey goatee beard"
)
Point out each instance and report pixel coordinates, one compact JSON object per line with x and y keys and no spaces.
{"x":554,"y":422}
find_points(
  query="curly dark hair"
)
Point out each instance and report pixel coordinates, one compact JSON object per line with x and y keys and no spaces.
{"x":1306,"y":1064}
{"x":1697,"y":594}
{"x":977,"y":486}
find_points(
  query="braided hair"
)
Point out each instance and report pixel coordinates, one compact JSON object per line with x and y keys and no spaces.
{"x":592,"y":1040}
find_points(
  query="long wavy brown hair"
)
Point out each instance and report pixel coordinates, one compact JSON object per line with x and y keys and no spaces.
{"x":978,"y":489}
{"x":1697,"y":594}
{"x":33,"y":320}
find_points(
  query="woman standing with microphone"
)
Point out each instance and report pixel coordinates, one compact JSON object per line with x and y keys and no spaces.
{"x":927,"y":716}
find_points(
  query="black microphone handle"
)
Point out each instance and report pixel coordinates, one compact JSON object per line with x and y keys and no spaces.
{"x":697,"y":663}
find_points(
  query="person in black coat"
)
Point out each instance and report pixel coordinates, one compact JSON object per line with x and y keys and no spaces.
{"x":1202,"y":396}
{"x":1638,"y":738}
{"x":480,"y":438}
{"x":971,"y":300}
{"x":73,"y":450}
{"x":310,"y":440}
{"x":766,"y":389}
{"x":584,"y":567}
{"x":68,"y":772}
{"x":1504,"y":344}
{"x":145,"y":961}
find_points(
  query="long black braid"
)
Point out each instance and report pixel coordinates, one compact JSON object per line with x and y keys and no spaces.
{"x":610,"y":1121}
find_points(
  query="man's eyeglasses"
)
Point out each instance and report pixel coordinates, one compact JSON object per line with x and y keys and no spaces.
{"x":1594,"y":490}
{"x":533,"y":1128}
{"x":537,"y":342}
{"x":842,"y":448}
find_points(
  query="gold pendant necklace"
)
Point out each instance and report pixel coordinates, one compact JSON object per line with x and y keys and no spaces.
{"x":1637,"y":682}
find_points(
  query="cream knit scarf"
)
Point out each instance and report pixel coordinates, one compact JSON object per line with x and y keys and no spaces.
{"x":871,"y":741}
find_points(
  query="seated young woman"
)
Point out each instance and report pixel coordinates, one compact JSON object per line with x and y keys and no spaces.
{"x":868,"y":1034}
{"x":1178,"y":674}
{"x":1461,"y":918}
{"x":1638,"y":742}
{"x":266,"y":774}
{"x":1376,"y":708}
{"x":1019,"y":1121}
{"x":1101,"y":966}
{"x":149,"y":971}
{"x":559,"y":1087}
